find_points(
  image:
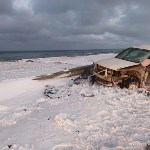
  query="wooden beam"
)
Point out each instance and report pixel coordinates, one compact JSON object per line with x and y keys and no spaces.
{"x":66,"y":73}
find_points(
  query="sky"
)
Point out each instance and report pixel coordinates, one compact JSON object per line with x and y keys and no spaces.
{"x":73,"y":24}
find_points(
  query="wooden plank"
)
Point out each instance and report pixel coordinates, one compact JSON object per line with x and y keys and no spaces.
{"x":66,"y":73}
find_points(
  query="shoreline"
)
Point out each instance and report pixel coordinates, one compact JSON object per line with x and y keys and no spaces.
{"x":111,"y":119}
{"x":40,"y":66}
{"x":49,"y":57}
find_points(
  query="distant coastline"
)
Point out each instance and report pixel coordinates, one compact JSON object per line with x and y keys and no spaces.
{"x":19,"y":55}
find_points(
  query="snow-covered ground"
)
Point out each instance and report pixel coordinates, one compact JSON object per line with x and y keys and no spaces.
{"x":111,"y":119}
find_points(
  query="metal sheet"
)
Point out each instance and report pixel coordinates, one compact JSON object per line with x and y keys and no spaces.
{"x":115,"y":63}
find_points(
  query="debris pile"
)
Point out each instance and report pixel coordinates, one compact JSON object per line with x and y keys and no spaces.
{"x":54,"y":92}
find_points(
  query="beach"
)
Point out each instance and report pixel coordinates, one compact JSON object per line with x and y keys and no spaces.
{"x":111,"y":119}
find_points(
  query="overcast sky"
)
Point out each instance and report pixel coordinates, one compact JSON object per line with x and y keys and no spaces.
{"x":73,"y":24}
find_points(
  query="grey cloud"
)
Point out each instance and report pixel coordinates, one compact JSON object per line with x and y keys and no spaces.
{"x":73,"y":24}
{"x":6,"y":6}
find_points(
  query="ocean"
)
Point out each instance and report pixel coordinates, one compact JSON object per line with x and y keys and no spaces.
{"x":19,"y":55}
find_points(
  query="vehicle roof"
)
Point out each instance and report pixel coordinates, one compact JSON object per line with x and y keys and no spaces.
{"x":147,"y":47}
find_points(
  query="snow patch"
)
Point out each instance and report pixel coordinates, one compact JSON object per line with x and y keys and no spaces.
{"x":4,"y":108}
{"x":65,"y":121}
{"x":13,"y":118}
{"x":18,"y":147}
{"x":113,"y":119}
{"x":64,"y":146}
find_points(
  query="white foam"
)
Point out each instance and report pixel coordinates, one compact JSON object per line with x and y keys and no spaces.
{"x":113,"y":119}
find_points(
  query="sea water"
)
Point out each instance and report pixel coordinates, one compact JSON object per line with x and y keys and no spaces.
{"x":19,"y":55}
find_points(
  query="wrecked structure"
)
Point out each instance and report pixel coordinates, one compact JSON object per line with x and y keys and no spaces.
{"x":129,"y":69}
